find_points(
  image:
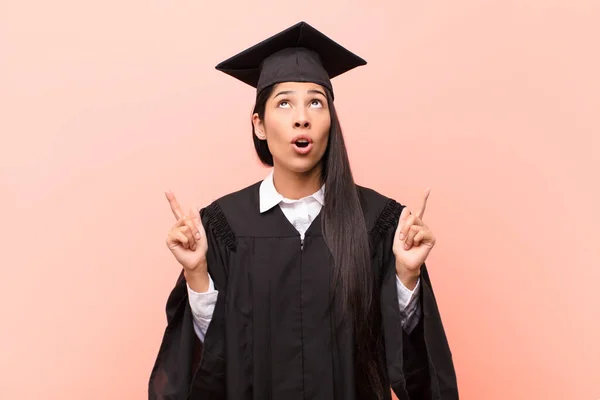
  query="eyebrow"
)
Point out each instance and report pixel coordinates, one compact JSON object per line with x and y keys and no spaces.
{"x":284,"y":92}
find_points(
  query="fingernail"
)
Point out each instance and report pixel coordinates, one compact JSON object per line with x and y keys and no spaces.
{"x":406,"y":246}
{"x":198,"y":235}
{"x":401,"y":236}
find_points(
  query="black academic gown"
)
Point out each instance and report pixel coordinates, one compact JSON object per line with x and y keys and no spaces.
{"x":271,"y":335}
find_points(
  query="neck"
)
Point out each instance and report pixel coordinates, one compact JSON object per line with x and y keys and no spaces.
{"x":294,"y":185}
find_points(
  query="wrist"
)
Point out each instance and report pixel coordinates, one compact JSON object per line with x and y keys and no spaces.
{"x":408,"y":278}
{"x":197,"y":279}
{"x":200,"y":267}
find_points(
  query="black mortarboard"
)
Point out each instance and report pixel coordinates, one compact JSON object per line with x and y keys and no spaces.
{"x":298,"y":54}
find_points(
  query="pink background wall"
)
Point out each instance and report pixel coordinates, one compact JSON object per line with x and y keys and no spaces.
{"x":493,"y":104}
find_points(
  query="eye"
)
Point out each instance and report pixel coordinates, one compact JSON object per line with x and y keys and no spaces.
{"x":284,"y":104}
{"x":316,"y":103}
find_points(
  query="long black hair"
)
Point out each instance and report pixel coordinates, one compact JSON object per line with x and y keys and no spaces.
{"x":345,"y":233}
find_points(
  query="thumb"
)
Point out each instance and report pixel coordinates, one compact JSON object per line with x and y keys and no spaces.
{"x":195,"y":215}
{"x":403,"y":217}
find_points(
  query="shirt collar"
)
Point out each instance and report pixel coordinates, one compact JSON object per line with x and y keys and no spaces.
{"x":269,"y":197}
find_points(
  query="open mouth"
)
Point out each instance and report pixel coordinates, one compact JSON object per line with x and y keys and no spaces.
{"x":302,"y":143}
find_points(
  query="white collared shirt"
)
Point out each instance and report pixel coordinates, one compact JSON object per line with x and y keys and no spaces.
{"x":301,"y":213}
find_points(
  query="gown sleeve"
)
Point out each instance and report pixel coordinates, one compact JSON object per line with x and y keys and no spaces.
{"x":419,"y":364}
{"x":181,"y":356}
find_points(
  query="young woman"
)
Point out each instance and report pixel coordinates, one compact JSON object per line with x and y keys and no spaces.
{"x":304,"y":285}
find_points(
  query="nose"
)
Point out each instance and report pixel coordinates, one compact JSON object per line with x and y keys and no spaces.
{"x":302,"y":121}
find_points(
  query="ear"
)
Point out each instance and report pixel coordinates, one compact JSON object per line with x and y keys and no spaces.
{"x":259,"y":127}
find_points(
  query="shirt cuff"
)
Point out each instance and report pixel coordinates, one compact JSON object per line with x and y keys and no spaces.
{"x":405,"y":295}
{"x":203,"y":304}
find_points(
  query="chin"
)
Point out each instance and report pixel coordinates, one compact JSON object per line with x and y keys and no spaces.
{"x":303,"y":168}
{"x":301,"y":165}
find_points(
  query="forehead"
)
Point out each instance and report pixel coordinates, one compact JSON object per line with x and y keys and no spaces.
{"x":297,"y":87}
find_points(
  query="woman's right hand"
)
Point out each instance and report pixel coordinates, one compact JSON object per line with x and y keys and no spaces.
{"x":187,"y":238}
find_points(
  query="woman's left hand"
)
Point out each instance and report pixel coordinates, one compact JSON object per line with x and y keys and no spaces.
{"x":413,"y":241}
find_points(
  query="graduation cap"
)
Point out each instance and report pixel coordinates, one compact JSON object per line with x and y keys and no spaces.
{"x":300,"y":53}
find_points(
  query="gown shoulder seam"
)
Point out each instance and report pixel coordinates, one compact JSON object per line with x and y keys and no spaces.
{"x":218,"y":224}
{"x":388,"y":219}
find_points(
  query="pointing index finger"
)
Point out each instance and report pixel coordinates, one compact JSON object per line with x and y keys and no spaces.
{"x":422,"y":210}
{"x":174,"y":205}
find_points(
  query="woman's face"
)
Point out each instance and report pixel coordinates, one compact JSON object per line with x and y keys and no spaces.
{"x":295,"y":125}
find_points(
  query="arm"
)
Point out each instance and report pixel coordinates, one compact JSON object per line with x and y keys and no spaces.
{"x":410,"y":309}
{"x":418,"y":358}
{"x":202,"y":304}
{"x":177,"y":363}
